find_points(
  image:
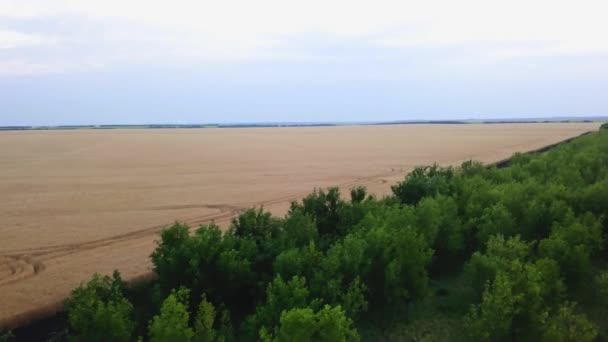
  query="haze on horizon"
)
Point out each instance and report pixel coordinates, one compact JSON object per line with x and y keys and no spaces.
{"x":136,"y":62}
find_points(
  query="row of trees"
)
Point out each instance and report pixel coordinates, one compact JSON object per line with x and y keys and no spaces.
{"x":527,"y":238}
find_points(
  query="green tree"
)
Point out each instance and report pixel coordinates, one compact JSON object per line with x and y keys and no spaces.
{"x":572,"y":246}
{"x":594,"y":199}
{"x":171,"y":325}
{"x":399,"y":256}
{"x":428,"y":219}
{"x":324,"y":208}
{"x":329,"y":324}
{"x":172,"y":257}
{"x":299,"y":230}
{"x":203,"y":324}
{"x":256,"y":223}
{"x":601,"y":285}
{"x":500,"y":252}
{"x":280,"y":296}
{"x":568,"y":326}
{"x":337,"y":278}
{"x":450,"y":239}
{"x":515,"y":303}
{"x":254,"y":241}
{"x":302,"y":261}
{"x":495,"y":219}
{"x":209,"y":262}
{"x":424,"y":181}
{"x":98,"y":311}
{"x":492,"y":319}
{"x":357,"y":194}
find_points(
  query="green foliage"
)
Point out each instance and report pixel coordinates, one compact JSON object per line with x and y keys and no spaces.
{"x":568,"y":326}
{"x":329,"y":324}
{"x":516,"y":302}
{"x":255,"y":233}
{"x":483,"y":267}
{"x":98,"y":311}
{"x":402,"y":257}
{"x":172,"y":322}
{"x":496,"y":219}
{"x":492,"y":319}
{"x":208,"y":262}
{"x":178,"y":256}
{"x":428,"y":219}
{"x":451,"y":236}
{"x":601,"y":285}
{"x":203,"y":324}
{"x":280,"y":296}
{"x":298,"y":261}
{"x":594,"y":199}
{"x":423,"y":181}
{"x":337,"y":278}
{"x":357,"y":194}
{"x":572,"y":246}
{"x":299,"y":230}
{"x":324,"y":208}
{"x":255,"y":223}
{"x":353,"y":299}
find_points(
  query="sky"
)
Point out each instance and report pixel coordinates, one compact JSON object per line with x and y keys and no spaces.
{"x":188,"y":62}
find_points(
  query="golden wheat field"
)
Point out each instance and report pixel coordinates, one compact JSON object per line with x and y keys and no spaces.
{"x":77,"y":202}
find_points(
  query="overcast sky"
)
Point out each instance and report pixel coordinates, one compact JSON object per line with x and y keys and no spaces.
{"x":129,"y":62}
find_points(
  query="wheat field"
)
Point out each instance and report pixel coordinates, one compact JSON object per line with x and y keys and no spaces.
{"x":77,"y":202}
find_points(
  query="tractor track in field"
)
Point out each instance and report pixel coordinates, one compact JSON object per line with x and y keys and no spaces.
{"x":15,"y":265}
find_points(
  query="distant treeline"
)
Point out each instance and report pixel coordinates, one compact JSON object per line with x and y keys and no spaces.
{"x":472,"y":253}
{"x":288,"y":124}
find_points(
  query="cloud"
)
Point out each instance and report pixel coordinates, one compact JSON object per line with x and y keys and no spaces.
{"x":13,"y":39}
{"x":19,"y":67}
{"x":115,"y":33}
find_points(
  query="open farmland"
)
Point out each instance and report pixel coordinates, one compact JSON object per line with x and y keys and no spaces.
{"x":84,"y":201}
